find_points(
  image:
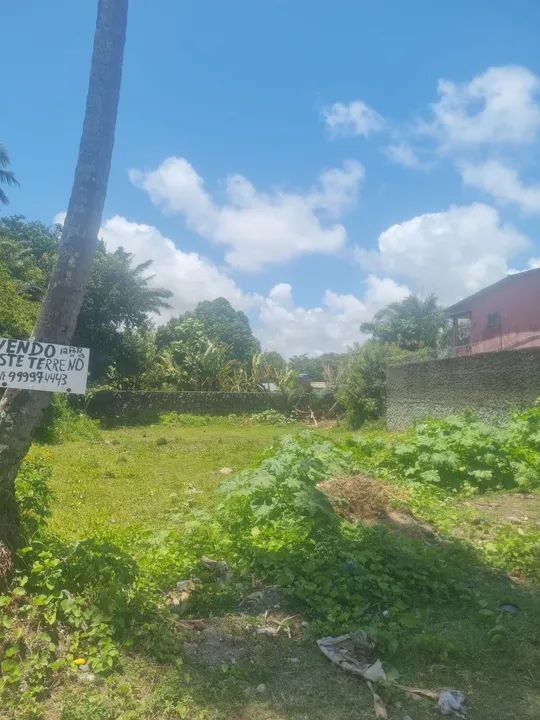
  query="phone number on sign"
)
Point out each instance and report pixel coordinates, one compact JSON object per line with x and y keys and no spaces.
{"x":38,"y":377}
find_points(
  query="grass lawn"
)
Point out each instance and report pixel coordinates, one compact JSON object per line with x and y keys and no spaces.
{"x":132,"y":476}
{"x":127,"y":477}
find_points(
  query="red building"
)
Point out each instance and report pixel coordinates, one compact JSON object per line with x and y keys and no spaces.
{"x":503,"y":316}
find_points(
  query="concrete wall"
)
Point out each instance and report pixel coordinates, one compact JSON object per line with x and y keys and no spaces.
{"x":118,"y":408}
{"x":493,"y":384}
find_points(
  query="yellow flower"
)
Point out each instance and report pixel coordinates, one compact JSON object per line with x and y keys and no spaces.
{"x":80,"y":661}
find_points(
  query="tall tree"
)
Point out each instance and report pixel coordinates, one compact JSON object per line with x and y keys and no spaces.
{"x":412,"y":324}
{"x":7,"y":177}
{"x":119,"y":297}
{"x":20,"y":411}
{"x":28,"y":251}
{"x":222,"y":324}
{"x":17,"y":312}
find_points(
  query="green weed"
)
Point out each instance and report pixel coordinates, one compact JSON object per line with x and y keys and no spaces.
{"x":62,"y":423}
{"x":103,"y":599}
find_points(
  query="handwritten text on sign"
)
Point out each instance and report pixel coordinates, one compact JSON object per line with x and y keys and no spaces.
{"x":33,"y":365}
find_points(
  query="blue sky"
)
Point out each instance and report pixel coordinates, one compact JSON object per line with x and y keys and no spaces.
{"x":311,"y":161}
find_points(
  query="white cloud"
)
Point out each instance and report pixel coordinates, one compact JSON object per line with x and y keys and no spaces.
{"x":402,"y":154}
{"x":499,"y":106}
{"x":59,"y":218}
{"x":503,"y":183}
{"x":338,"y":188}
{"x":331,"y":327}
{"x":258,"y":228}
{"x":190,"y":277}
{"x":354,"y":118}
{"x":280,"y":324}
{"x":451,"y":253}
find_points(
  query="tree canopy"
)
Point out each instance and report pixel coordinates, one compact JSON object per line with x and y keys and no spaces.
{"x":400,"y":332}
{"x":412,"y":324}
{"x":119,"y":300}
{"x":221,"y":324}
{"x":211,"y":347}
{"x":321,"y":368}
{"x":275,"y":365}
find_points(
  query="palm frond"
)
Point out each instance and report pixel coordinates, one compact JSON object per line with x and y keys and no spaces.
{"x":4,"y":157}
{"x":138,"y":269}
{"x":8,"y":178}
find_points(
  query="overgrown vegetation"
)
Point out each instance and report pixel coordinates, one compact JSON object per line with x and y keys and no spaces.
{"x":98,"y":599}
{"x":280,"y":526}
{"x":61,"y":423}
{"x":411,"y":330}
{"x":209,"y":348}
{"x":69,"y":603}
{"x":444,"y":461}
{"x":362,"y":387}
{"x":462,"y":453}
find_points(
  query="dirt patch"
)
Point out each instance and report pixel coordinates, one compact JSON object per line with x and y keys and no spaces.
{"x":363,"y":498}
{"x":517,"y":508}
{"x":236,"y":639}
{"x":224,"y":640}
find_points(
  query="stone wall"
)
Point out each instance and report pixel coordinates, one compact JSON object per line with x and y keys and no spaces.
{"x":493,"y":384}
{"x":115,"y":408}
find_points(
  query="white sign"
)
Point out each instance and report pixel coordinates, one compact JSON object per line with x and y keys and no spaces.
{"x":34,"y":365}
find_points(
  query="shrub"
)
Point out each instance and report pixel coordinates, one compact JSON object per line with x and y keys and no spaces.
{"x":456,"y":453}
{"x":278,"y":525}
{"x":66,"y":601}
{"x":268,"y":417}
{"x":62,"y":423}
{"x":33,"y":493}
{"x":362,"y":387}
{"x":461,"y":453}
{"x":515,"y":549}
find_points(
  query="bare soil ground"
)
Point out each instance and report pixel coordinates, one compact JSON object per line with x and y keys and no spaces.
{"x":518,"y":508}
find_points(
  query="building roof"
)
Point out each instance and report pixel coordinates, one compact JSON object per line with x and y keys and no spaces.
{"x":463,"y":305}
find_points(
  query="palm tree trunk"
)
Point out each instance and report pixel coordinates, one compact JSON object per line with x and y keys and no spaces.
{"x":20,"y":410}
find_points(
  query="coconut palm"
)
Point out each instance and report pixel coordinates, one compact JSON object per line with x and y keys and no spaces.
{"x":7,"y":177}
{"x":21,"y":410}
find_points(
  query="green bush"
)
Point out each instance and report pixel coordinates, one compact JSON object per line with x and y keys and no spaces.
{"x":457,"y":453}
{"x":515,"y":549}
{"x":62,"y":423}
{"x":362,"y":389}
{"x":33,"y":493}
{"x":461,"y":453}
{"x":266,"y":417}
{"x":278,"y":525}
{"x":362,"y":386}
{"x":66,"y":601}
